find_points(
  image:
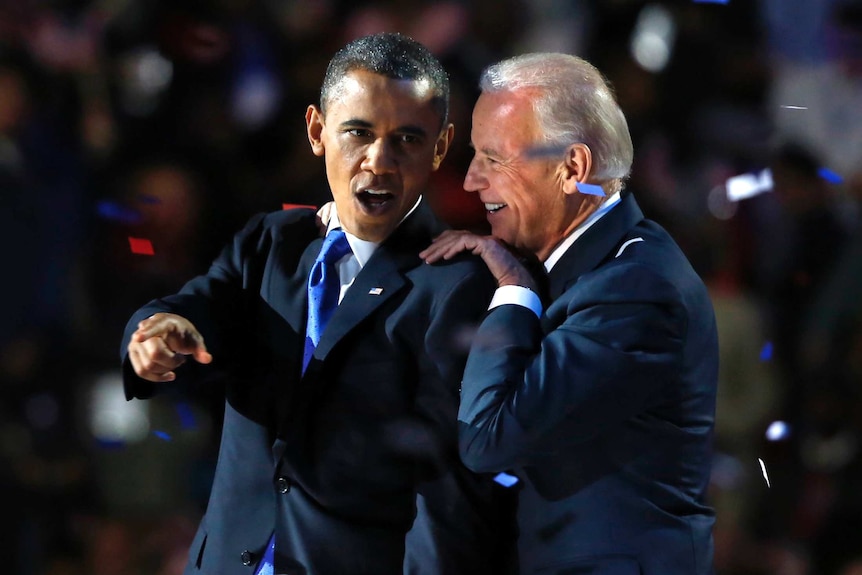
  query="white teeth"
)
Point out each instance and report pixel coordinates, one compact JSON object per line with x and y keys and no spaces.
{"x":494,"y":207}
{"x":377,"y":192}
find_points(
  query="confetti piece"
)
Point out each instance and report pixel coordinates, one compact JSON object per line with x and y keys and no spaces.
{"x":746,"y":186}
{"x":795,"y":107}
{"x":766,"y":351}
{"x":114,"y":211}
{"x":763,"y":469}
{"x":145,"y":199}
{"x":295,"y":206}
{"x":141,"y":246}
{"x":111,"y":443}
{"x":544,"y":152}
{"x":829,"y":176}
{"x":187,"y":416}
{"x":712,"y":1}
{"x":777,"y":431}
{"x":162,"y":435}
{"x":590,"y":189}
{"x":505,"y":479}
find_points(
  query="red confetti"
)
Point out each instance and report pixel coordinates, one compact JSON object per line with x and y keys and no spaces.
{"x":141,"y":246}
{"x":293,"y":206}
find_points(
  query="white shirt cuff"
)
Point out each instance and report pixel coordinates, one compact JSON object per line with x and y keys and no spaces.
{"x":517,"y":295}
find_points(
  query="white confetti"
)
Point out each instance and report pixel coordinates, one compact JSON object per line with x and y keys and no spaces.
{"x":795,"y":107}
{"x":763,"y":469}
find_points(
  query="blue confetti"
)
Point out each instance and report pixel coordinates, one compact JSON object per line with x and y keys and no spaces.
{"x":545,"y":152}
{"x":712,"y":1}
{"x":111,"y":443}
{"x":109,"y":210}
{"x":505,"y":479}
{"x":829,"y":176}
{"x":187,"y":416}
{"x":766,"y":351}
{"x":162,"y":435}
{"x":590,"y":189}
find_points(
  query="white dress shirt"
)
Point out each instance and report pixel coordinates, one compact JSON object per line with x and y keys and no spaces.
{"x":519,"y":295}
{"x":350,"y":265}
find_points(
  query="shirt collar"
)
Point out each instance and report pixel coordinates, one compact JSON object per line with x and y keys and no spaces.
{"x":362,"y":249}
{"x":558,"y":252}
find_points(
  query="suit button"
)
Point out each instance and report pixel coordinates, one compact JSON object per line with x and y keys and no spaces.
{"x":247,"y":558}
{"x":283,"y":485}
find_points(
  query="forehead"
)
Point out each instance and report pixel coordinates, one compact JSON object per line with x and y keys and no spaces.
{"x":368,"y":92}
{"x":505,"y":116}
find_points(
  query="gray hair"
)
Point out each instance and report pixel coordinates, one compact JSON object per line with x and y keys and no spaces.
{"x":575,"y":105}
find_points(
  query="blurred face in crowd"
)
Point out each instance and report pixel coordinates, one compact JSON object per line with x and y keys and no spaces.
{"x":530,"y":199}
{"x":381,"y":139}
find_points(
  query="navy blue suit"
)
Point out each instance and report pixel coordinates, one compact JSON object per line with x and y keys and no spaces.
{"x":340,"y":460}
{"x":604,"y":407}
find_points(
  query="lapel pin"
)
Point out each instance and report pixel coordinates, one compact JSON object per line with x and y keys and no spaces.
{"x":375,"y":291}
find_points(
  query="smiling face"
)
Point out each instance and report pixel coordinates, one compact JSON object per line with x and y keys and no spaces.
{"x":531,"y":202}
{"x":381,"y":139}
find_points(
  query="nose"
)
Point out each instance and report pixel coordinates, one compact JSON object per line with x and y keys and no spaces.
{"x":474,"y":181}
{"x":379,"y":157}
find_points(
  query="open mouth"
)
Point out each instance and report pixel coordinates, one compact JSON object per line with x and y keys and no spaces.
{"x":492,"y":208}
{"x":374,"y":198}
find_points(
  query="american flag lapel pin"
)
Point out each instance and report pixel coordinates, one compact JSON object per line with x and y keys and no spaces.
{"x":375,"y":291}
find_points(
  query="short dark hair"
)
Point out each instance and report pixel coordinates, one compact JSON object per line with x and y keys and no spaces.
{"x":392,"y":55}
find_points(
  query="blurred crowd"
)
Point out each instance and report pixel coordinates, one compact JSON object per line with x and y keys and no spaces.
{"x":173,"y":121}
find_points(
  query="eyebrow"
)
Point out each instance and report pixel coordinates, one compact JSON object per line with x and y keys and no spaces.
{"x":408,"y":129}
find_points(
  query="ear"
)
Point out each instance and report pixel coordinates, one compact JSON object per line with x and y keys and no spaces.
{"x":578,"y":167}
{"x":314,"y":126}
{"x":442,"y":146}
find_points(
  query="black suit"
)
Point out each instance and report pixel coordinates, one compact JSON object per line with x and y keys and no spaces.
{"x":332,"y":460}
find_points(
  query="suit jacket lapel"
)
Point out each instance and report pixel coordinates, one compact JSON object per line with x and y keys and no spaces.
{"x":594,"y":246}
{"x":382,"y":276}
{"x":297,"y":287}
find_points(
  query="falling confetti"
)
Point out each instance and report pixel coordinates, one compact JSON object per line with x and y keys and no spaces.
{"x":763,"y":469}
{"x":295,"y":206}
{"x":141,"y":246}
{"x":544,"y":152}
{"x":590,"y":189}
{"x":162,"y":435}
{"x":746,"y":186}
{"x":505,"y":479}
{"x":829,"y":176}
{"x":712,"y":1}
{"x":113,"y":211}
{"x":187,"y":416}
{"x":766,"y":351}
{"x":777,"y":431}
{"x":795,"y":107}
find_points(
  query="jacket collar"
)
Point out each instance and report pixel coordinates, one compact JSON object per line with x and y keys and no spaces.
{"x":595,"y":245}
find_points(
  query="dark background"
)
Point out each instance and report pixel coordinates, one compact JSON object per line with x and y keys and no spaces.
{"x":175,"y":120}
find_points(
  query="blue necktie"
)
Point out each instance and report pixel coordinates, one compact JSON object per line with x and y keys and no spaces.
{"x":324,"y":287}
{"x":323,"y":290}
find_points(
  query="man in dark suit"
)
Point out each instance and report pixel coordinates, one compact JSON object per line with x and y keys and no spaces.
{"x":330,"y":448}
{"x":602,"y":403}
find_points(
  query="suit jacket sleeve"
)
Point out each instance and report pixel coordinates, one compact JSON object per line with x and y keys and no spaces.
{"x":216,"y":303}
{"x":613,"y":340}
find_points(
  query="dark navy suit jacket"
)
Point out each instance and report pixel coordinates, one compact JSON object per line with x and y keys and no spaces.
{"x":338,"y":461}
{"x":604,"y":407}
